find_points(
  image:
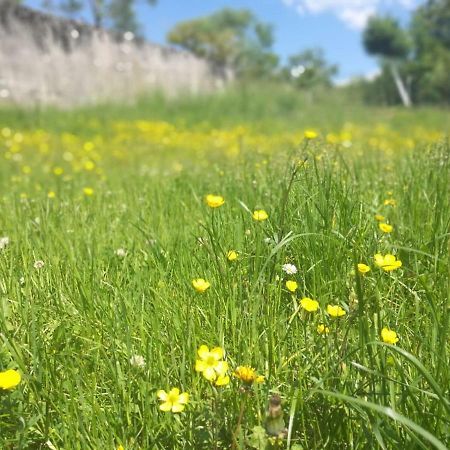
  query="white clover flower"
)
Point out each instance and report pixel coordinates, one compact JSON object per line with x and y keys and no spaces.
{"x":4,"y":242}
{"x":121,"y":252}
{"x":22,"y":281}
{"x":38,"y":264}
{"x":137,"y":361}
{"x":290,"y":269}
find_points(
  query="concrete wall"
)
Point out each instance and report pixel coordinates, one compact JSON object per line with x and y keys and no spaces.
{"x":49,"y":60}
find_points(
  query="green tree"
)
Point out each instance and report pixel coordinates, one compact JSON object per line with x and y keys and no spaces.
{"x":309,"y":68}
{"x":230,"y":39}
{"x":118,"y":15}
{"x":383,"y":37}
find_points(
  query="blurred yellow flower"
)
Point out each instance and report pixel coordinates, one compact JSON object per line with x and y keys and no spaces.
{"x":232,"y":255}
{"x":260,"y":215}
{"x":173,"y":400}
{"x":291,"y":285}
{"x":389,"y":336}
{"x":309,"y":304}
{"x":89,"y":165}
{"x":88,"y":191}
{"x":363,"y":268}
{"x":310,"y":134}
{"x":212,"y":366}
{"x":380,"y":218}
{"x":248,"y":375}
{"x":120,"y":447}
{"x":9,"y":379}
{"x":387,"y":262}
{"x":200,"y":285}
{"x":58,"y":171}
{"x":214,"y":201}
{"x":322,"y":329}
{"x":335,"y":311}
{"x":51,"y":194}
{"x":390,"y":202}
{"x":385,"y":227}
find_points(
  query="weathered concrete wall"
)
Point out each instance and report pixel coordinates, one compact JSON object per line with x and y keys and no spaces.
{"x":49,"y":60}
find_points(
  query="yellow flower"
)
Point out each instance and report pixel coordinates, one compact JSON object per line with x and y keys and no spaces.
{"x":309,"y":305}
{"x":310,"y":134}
{"x":385,"y":228}
{"x":390,"y":202}
{"x":9,"y":379}
{"x":389,"y":336}
{"x":291,"y":285}
{"x":120,"y":447}
{"x":172,"y":400}
{"x":212,"y":366}
{"x":248,"y":375}
{"x":88,"y":191}
{"x":363,"y":268}
{"x":322,"y":329}
{"x":380,"y":218}
{"x":232,"y":255}
{"x":89,"y":165}
{"x":387,"y":262}
{"x":260,"y":215}
{"x":200,"y":285}
{"x":58,"y":171}
{"x":335,"y":311}
{"x":214,"y":201}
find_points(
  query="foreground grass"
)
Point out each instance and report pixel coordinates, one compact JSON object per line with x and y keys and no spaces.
{"x":76,"y":327}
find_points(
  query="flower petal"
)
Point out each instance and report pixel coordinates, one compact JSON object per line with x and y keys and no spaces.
{"x":183,"y":398}
{"x":162,"y":395}
{"x":166,"y":406}
{"x":177,"y":407}
{"x":209,"y":373}
{"x":218,"y":353}
{"x":203,"y":352}
{"x":200,"y":365}
{"x":221,"y":368}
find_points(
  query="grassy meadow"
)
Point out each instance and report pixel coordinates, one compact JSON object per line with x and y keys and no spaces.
{"x":116,"y":270}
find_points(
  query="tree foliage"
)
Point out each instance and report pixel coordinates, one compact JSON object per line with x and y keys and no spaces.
{"x":229,"y":38}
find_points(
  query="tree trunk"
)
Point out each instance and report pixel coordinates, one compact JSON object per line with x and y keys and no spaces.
{"x":404,"y":95}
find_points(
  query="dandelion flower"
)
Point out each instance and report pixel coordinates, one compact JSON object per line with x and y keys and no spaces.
{"x":389,"y":336}
{"x":291,"y":285}
{"x":211,"y":365}
{"x":387,"y":262}
{"x":363,"y":268}
{"x":385,"y":227}
{"x":232,"y":255}
{"x":290,"y":269}
{"x":322,"y":329}
{"x":4,"y":242}
{"x":214,"y":201}
{"x":172,"y":400}
{"x":260,"y":215}
{"x":310,"y":134}
{"x":137,"y":361}
{"x":309,"y":304}
{"x":39,"y":264}
{"x":9,"y":379}
{"x":335,"y":311}
{"x":88,"y":191}
{"x":200,"y":285}
{"x":248,"y":375}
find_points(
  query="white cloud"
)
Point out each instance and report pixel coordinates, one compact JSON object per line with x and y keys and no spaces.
{"x":354,"y":13}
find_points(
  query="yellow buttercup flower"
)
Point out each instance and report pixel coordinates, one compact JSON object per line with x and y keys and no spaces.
{"x":390,"y":202}
{"x":120,"y":447}
{"x":389,"y":336}
{"x":310,"y":134}
{"x":212,"y":366}
{"x":214,"y":201}
{"x":260,"y":215}
{"x":232,"y":255}
{"x":385,"y":227}
{"x":173,"y":400}
{"x":9,"y":379}
{"x":380,"y":218}
{"x":387,"y":262}
{"x":51,"y":194}
{"x":363,"y":268}
{"x":322,"y":329}
{"x":200,"y":285}
{"x":291,"y":285}
{"x":88,"y":191}
{"x":335,"y":311}
{"x":248,"y":375}
{"x":58,"y":171}
{"x":309,"y":304}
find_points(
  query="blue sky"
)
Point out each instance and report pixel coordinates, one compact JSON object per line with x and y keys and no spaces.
{"x":334,"y":25}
